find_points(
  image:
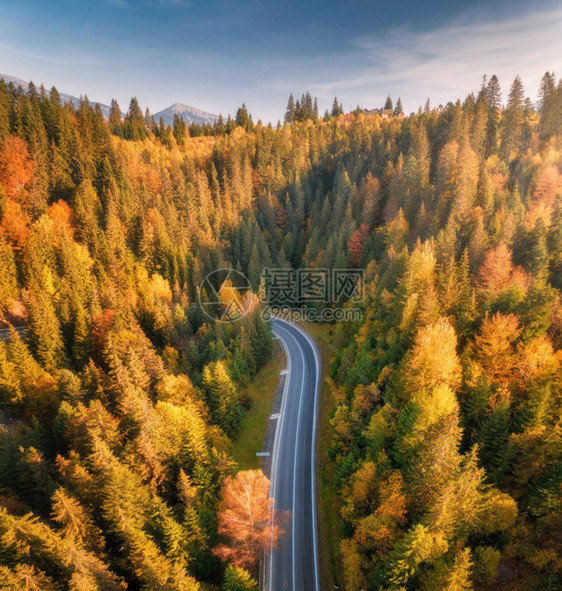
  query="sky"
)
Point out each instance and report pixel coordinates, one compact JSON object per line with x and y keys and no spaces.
{"x":216,"y":54}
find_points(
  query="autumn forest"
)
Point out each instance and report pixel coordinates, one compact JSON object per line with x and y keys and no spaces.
{"x":120,"y":399}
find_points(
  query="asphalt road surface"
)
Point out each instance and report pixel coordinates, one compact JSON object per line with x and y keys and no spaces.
{"x":5,"y":332}
{"x":294,"y":564}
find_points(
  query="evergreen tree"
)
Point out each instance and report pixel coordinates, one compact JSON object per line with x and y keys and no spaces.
{"x":493,"y":101}
{"x":179,"y":129}
{"x":115,"y":117}
{"x":513,"y":119}
{"x":548,"y":105}
{"x":238,"y":579}
{"x":290,"y":112}
{"x":243,"y":118}
{"x":337,"y":109}
{"x":222,"y":397}
{"x":133,"y":125}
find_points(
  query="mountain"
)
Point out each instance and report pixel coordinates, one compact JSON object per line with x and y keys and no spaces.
{"x":65,"y":98}
{"x":189,"y":114}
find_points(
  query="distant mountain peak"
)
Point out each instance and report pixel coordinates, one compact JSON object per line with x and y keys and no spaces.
{"x":188,"y":113}
{"x":65,"y":98}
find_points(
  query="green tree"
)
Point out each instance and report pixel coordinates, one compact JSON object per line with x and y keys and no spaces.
{"x":493,"y":101}
{"x":237,"y":578}
{"x":133,"y":125}
{"x":180,"y":131}
{"x":337,"y":109}
{"x":290,"y":112}
{"x":222,"y":397}
{"x":513,"y":120}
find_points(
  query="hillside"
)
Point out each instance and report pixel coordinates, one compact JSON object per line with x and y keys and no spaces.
{"x":65,"y":98}
{"x":442,"y":409}
{"x":189,"y":114}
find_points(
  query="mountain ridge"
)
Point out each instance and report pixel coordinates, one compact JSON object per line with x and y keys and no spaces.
{"x":65,"y":97}
{"x":187,"y":112}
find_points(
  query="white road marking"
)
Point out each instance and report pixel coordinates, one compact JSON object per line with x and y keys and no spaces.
{"x":295,"y":466}
{"x":313,"y":454}
{"x":275,"y":459}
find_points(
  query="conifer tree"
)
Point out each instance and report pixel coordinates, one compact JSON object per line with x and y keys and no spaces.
{"x":337,"y":109}
{"x":222,"y":397}
{"x":290,"y":112}
{"x":115,"y":117}
{"x":493,"y":101}
{"x":513,"y":119}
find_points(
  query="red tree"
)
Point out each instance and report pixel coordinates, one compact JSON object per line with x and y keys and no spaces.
{"x":355,"y":245}
{"x":16,"y":167}
{"x":247,"y":518}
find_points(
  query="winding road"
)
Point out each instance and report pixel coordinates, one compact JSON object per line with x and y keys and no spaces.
{"x":294,"y":564}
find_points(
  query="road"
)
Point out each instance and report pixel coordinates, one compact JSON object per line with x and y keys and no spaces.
{"x":294,"y":565}
{"x":5,"y":332}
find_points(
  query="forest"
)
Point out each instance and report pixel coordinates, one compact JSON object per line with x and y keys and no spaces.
{"x":120,"y":399}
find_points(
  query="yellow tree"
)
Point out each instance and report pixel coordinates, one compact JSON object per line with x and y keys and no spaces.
{"x":494,"y":347}
{"x":433,"y":361}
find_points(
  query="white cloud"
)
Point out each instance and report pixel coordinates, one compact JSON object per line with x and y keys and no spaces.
{"x":448,"y":62}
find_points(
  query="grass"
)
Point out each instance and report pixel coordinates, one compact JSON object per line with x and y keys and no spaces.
{"x":328,"y":498}
{"x":261,"y":393}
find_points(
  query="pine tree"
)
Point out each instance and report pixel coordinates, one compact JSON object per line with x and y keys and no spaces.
{"x":548,"y":105}
{"x":223,"y":399}
{"x":133,"y":125}
{"x":243,"y":118}
{"x":493,"y":101}
{"x":419,"y":545}
{"x":513,"y":119}
{"x":494,"y":452}
{"x":238,"y":579}
{"x":115,"y":117}
{"x":337,"y":109}
{"x":290,"y":112}
{"x":8,"y":278}
{"x":179,"y":129}
{"x":77,"y":525}
{"x":25,"y":577}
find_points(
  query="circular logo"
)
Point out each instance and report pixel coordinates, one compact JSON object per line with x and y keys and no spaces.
{"x":225,"y":295}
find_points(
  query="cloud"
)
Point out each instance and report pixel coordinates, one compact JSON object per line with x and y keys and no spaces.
{"x":448,"y":62}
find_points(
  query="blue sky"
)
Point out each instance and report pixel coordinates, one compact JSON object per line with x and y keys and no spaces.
{"x":215,"y":54}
